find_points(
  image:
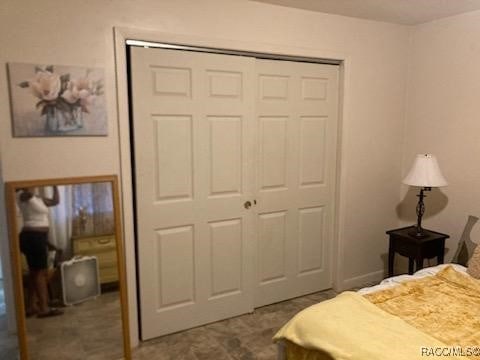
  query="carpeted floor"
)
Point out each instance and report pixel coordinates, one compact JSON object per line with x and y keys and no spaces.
{"x":88,"y":331}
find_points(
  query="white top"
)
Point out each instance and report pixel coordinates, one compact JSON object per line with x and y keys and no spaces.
{"x":34,"y":212}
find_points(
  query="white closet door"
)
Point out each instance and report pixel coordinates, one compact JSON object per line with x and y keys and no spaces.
{"x":296,"y":131}
{"x":192,"y":125}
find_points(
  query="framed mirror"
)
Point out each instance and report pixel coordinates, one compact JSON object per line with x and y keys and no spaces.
{"x":68,"y":267}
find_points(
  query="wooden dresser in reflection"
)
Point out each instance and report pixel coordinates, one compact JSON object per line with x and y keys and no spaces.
{"x":104,"y":248}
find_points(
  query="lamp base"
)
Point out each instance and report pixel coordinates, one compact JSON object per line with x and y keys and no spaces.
{"x":418,"y":233}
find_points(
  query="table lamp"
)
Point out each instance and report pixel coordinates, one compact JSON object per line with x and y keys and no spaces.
{"x":425,"y":173}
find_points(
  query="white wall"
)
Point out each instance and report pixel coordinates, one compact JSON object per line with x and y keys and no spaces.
{"x":81,"y":33}
{"x":443,"y":118}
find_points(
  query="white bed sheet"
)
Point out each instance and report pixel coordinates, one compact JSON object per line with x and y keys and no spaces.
{"x":395,"y":280}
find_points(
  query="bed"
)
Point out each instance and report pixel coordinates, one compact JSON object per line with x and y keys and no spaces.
{"x":434,"y":314}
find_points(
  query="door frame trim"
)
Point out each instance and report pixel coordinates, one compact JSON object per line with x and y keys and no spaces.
{"x":274,"y":51}
{"x":211,"y":50}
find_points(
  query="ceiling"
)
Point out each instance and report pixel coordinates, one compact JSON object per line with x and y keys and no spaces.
{"x":407,"y":12}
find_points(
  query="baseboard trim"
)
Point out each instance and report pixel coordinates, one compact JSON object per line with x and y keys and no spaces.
{"x":362,"y":280}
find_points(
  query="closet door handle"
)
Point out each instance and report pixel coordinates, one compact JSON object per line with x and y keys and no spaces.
{"x":247,"y":205}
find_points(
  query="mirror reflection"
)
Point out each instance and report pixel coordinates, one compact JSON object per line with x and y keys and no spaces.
{"x":69,"y":271}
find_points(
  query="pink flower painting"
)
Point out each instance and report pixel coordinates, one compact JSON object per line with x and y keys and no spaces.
{"x":57,"y":100}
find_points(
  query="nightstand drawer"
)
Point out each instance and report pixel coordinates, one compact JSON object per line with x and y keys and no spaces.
{"x":433,"y":248}
{"x":402,"y":247}
{"x":108,"y":274}
{"x":94,"y":244}
{"x":104,"y":248}
{"x":404,"y":241}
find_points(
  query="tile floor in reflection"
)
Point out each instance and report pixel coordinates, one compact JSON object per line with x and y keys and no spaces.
{"x":87,"y":331}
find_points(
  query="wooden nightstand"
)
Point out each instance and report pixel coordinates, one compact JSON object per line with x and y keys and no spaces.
{"x":433,"y":245}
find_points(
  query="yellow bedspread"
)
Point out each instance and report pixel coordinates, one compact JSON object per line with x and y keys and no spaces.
{"x":349,"y":327}
{"x":422,"y":314}
{"x":445,"y":306}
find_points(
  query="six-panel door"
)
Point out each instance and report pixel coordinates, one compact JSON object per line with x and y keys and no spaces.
{"x":212,"y":132}
{"x":193,"y":144}
{"x":296,"y":123}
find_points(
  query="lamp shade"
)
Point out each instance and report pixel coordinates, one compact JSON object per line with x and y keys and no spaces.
{"x":425,"y":172}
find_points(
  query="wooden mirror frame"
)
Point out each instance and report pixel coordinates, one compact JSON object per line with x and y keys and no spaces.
{"x":10,"y":188}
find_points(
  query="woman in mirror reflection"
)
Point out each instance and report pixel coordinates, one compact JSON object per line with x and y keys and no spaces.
{"x":35,"y":246}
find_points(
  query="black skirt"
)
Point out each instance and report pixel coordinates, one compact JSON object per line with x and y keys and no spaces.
{"x":34,"y":244}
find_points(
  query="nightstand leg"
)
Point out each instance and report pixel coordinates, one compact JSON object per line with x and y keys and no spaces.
{"x":410,"y":266}
{"x":419,"y":263}
{"x":440,"y":259}
{"x":391,"y":259}
{"x":441,"y":252}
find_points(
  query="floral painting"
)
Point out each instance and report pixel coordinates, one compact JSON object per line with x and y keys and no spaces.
{"x":50,"y":100}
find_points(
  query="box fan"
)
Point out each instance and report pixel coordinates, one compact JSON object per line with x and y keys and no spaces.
{"x":80,"y":279}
